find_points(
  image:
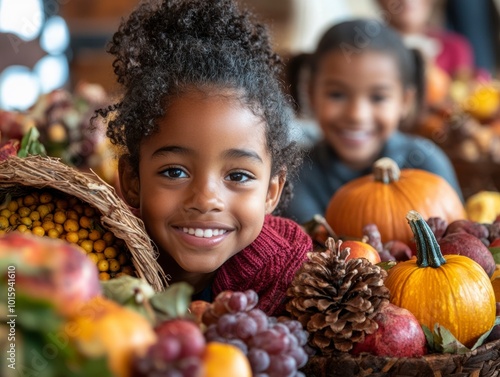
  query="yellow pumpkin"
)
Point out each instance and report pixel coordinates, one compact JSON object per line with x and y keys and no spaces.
{"x":385,"y":196}
{"x":452,"y":290}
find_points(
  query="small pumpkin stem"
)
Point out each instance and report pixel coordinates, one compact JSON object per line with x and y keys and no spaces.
{"x":428,"y":250}
{"x":321,"y":220}
{"x":386,"y":170}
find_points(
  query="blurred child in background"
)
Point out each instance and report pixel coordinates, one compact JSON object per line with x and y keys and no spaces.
{"x":364,"y":83}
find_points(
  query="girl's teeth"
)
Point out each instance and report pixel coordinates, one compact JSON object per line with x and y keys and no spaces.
{"x":205,"y":233}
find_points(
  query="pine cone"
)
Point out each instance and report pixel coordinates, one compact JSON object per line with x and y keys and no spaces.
{"x":336,"y":300}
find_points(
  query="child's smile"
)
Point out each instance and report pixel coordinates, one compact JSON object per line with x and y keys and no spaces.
{"x":203,"y":196}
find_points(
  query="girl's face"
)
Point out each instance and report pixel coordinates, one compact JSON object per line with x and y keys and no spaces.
{"x":407,"y":16}
{"x":358,"y":102}
{"x":205,"y":181}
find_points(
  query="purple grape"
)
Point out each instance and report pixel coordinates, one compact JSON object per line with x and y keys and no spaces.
{"x":238,"y":343}
{"x":226,"y":325}
{"x":237,"y":302}
{"x":292,"y":324}
{"x":282,"y":365}
{"x":260,"y":318}
{"x":275,"y":347}
{"x":252,"y":298}
{"x":246,"y":326}
{"x":299,"y":355}
{"x":190,"y":367}
{"x":271,"y":341}
{"x":259,"y":360}
{"x":168,"y":373}
{"x":281,"y":328}
{"x":211,"y":332}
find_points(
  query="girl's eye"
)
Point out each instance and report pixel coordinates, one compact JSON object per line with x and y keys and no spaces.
{"x":336,"y":95}
{"x":174,"y":173}
{"x":239,"y":177}
{"x":378,"y":97}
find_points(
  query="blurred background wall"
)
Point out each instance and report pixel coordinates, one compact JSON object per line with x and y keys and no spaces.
{"x":62,"y":42}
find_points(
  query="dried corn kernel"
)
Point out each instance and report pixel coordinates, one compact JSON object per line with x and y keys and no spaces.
{"x":57,"y":215}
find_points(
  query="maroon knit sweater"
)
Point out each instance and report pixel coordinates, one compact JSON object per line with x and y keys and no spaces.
{"x":267,"y":265}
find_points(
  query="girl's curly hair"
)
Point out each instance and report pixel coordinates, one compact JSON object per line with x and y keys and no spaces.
{"x":165,"y":48}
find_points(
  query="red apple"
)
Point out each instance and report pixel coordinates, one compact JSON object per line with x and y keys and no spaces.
{"x":185,"y":333}
{"x":399,"y":334}
{"x":361,"y":250}
{"x":466,"y":244}
{"x":50,"y":269}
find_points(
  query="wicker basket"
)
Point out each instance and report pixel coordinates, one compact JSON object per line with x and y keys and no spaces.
{"x":18,"y":175}
{"x":482,"y":362}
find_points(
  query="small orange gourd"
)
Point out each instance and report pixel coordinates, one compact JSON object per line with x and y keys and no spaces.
{"x":385,"y":197}
{"x":452,"y":290}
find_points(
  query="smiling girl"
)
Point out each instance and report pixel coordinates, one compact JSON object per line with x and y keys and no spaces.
{"x":364,"y":84}
{"x":206,"y":149}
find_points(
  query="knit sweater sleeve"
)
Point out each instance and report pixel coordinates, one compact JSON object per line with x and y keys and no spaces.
{"x":267,"y":265}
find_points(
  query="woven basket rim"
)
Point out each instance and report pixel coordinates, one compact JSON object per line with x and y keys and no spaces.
{"x":50,"y":172}
{"x":439,"y":363}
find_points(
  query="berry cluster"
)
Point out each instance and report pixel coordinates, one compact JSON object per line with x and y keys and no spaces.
{"x":275,"y":347}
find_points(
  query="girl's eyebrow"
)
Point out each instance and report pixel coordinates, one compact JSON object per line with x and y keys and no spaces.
{"x":242,"y":153}
{"x":228,"y":154}
{"x":172,"y":149}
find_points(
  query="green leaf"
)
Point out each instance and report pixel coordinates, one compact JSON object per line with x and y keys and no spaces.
{"x":30,"y":144}
{"x":387,"y":265}
{"x":127,"y":288}
{"x":173,"y":302}
{"x":131,"y":292}
{"x":483,"y":337}
{"x":441,"y":340}
{"x":429,"y":336}
{"x":495,"y":251}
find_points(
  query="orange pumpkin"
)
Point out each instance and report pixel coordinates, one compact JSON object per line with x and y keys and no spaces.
{"x":102,"y":327}
{"x":437,"y":85}
{"x":451,"y":290}
{"x":385,"y":196}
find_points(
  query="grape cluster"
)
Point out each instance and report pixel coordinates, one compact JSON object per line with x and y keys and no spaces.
{"x":275,"y":347}
{"x":176,"y":353}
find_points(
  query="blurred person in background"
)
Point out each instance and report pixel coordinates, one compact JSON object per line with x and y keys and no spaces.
{"x":477,"y":21}
{"x":448,"y":50}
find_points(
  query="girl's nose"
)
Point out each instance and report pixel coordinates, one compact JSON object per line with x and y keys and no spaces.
{"x":358,"y":110}
{"x":204,"y":196}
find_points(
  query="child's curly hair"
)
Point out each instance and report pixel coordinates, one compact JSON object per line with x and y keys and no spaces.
{"x":164,"y":49}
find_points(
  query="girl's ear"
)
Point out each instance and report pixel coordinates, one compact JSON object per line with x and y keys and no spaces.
{"x":409,"y":105}
{"x":274,"y":192}
{"x":129,"y":183}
